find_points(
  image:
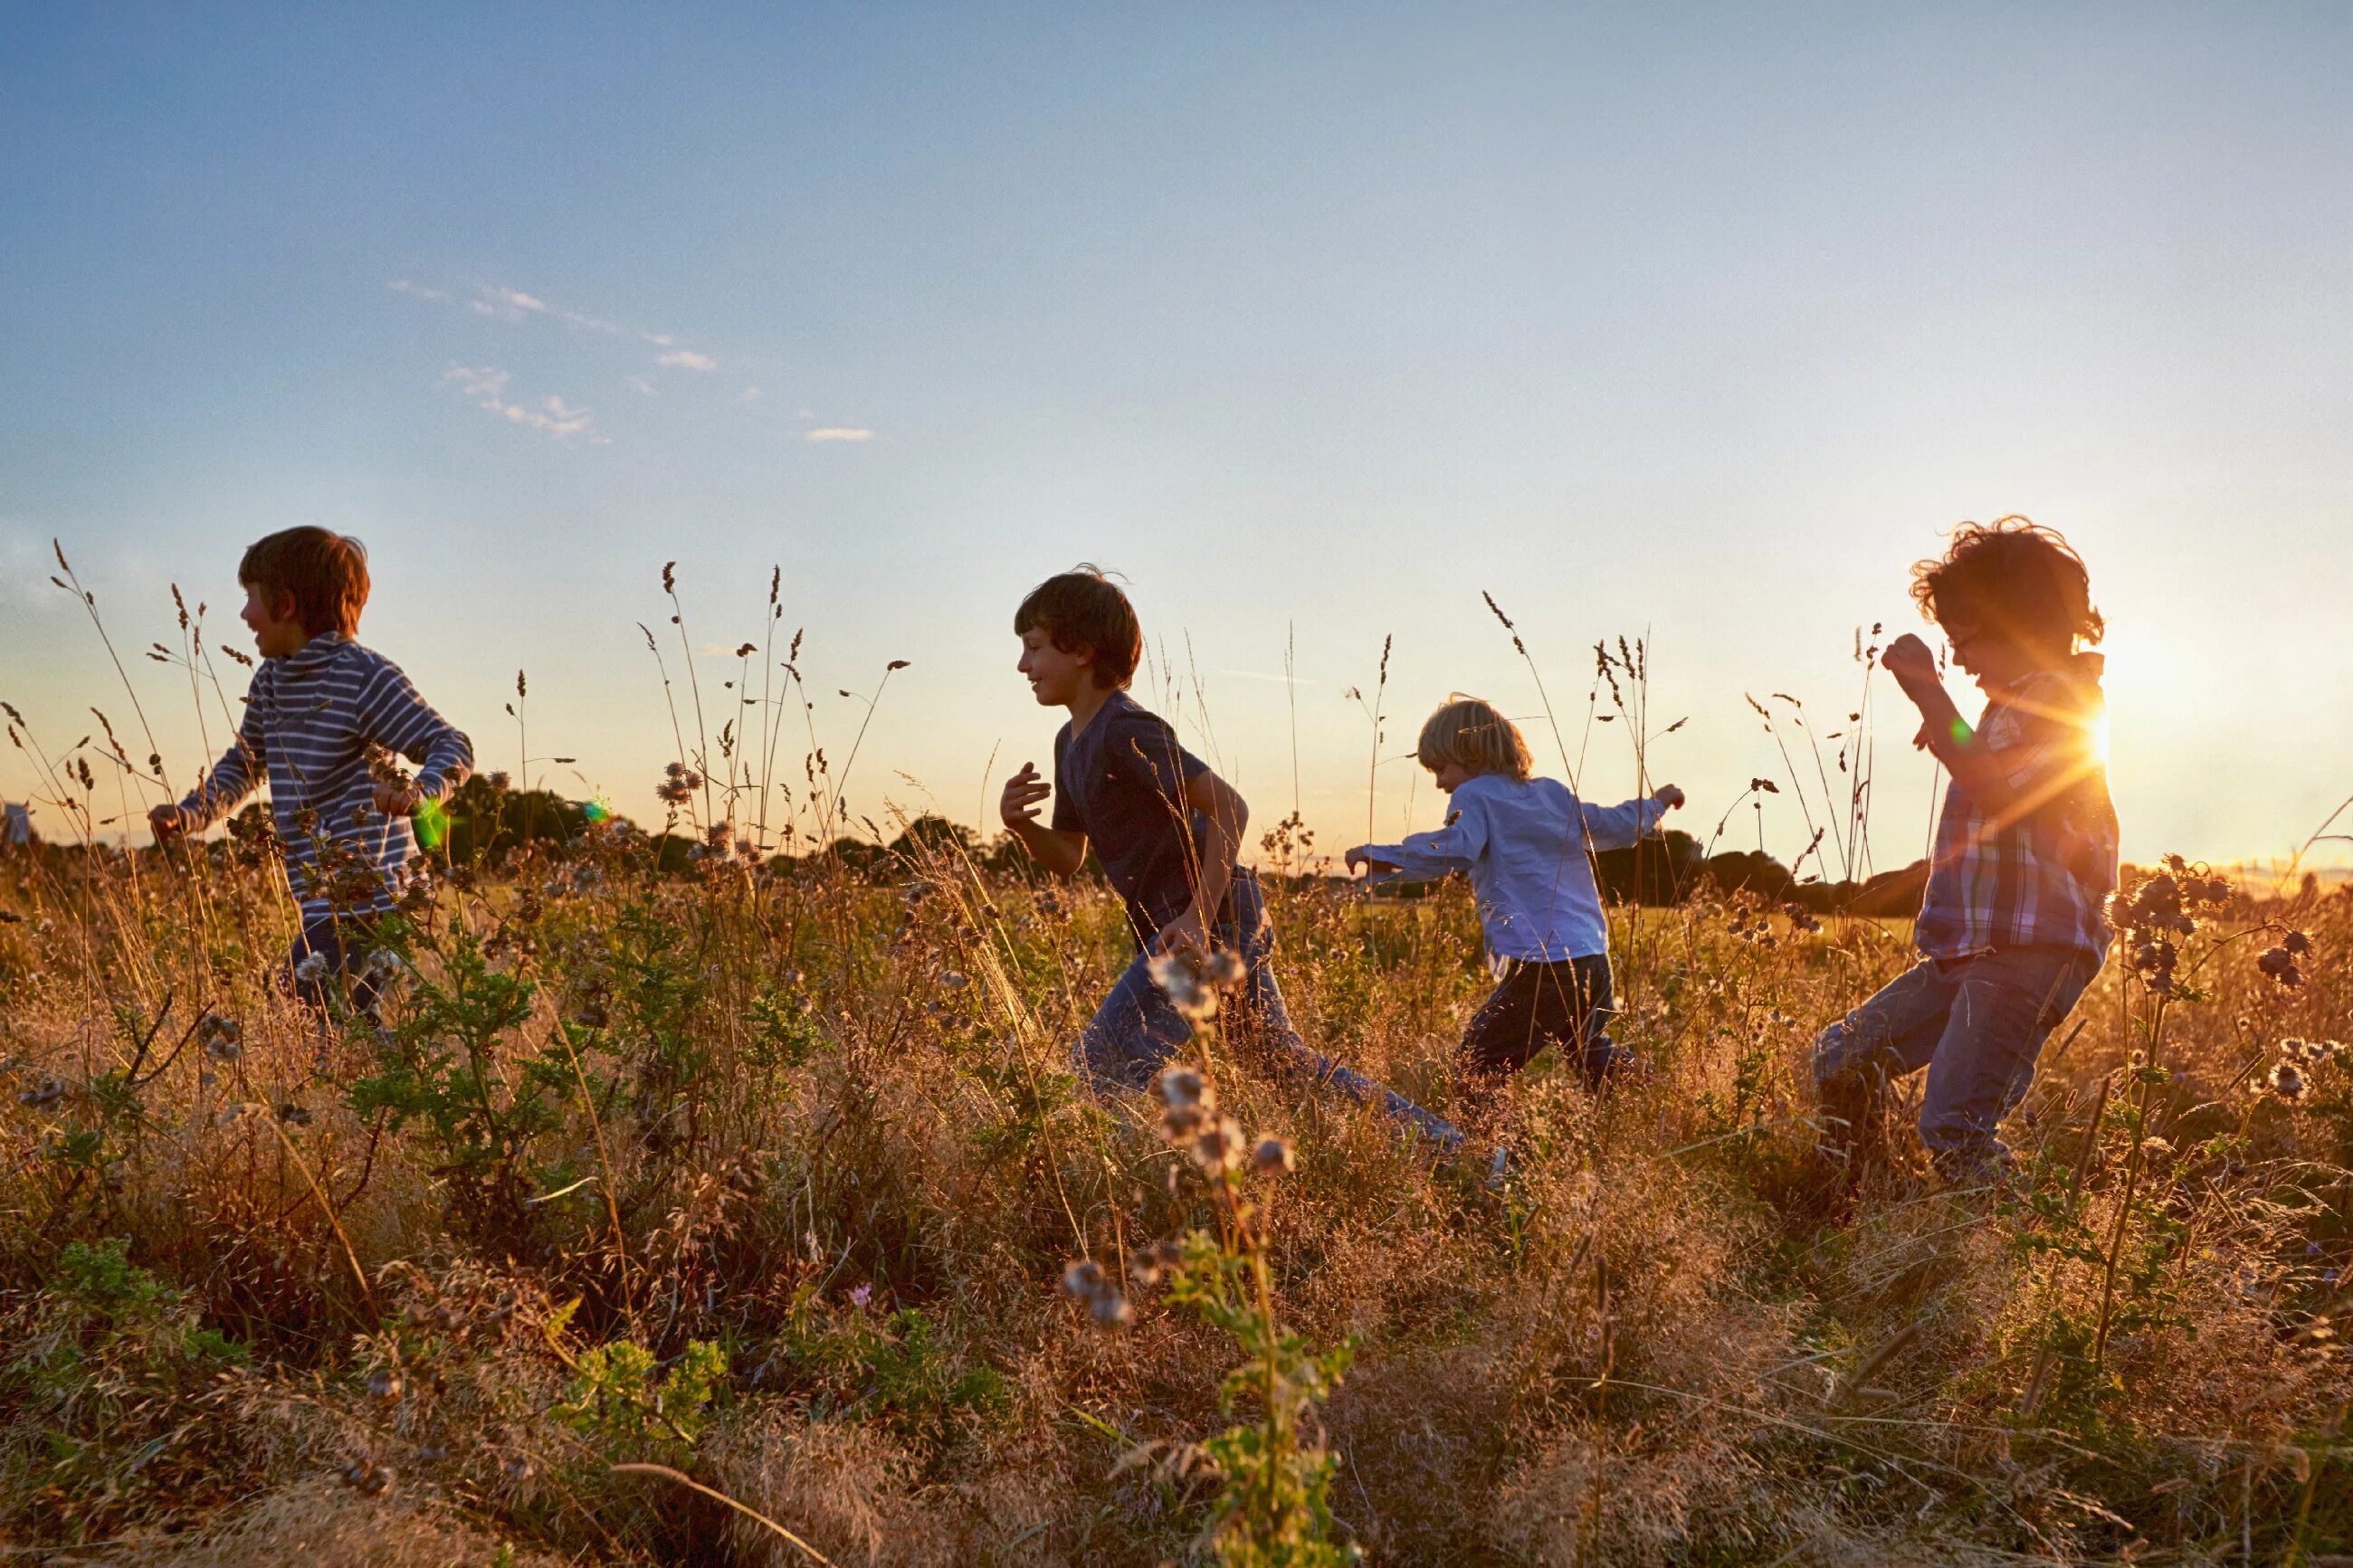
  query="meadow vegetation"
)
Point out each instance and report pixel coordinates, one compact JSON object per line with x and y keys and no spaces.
{"x":723,"y":1207}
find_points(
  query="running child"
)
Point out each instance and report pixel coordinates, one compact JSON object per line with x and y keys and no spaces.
{"x":317,"y":710}
{"x":2012,"y":925}
{"x":1524,"y":842}
{"x":1168,"y":831}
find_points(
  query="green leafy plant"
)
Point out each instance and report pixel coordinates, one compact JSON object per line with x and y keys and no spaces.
{"x":445,"y":1065}
{"x":1273,"y":1509}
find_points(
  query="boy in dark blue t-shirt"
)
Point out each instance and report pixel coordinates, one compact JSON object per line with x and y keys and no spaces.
{"x":1168,"y":831}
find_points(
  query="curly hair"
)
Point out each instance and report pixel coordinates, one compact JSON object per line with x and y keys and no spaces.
{"x":325,"y":574}
{"x":2015,"y":577}
{"x":1082,"y":608}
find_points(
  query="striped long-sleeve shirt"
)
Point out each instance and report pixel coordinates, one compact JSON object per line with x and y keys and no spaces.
{"x":310,"y":720}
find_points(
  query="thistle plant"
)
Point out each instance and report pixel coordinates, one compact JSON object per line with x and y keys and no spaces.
{"x":1274,"y":1508}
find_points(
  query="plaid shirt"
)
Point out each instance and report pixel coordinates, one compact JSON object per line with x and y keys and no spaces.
{"x":2036,"y":874}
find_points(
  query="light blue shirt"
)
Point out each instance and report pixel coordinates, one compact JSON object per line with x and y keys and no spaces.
{"x":1525,"y":846}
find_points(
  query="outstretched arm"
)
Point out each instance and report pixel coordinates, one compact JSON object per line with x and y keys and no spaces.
{"x":1623,"y":825}
{"x":1426,"y":856}
{"x":234,"y":776}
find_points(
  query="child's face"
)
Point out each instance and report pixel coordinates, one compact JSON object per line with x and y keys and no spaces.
{"x":1994,"y":660}
{"x":1451,"y":776}
{"x":1057,"y":676}
{"x":276,"y":633}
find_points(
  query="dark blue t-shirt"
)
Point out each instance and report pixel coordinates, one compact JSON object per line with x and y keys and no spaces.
{"x":1121,"y":781}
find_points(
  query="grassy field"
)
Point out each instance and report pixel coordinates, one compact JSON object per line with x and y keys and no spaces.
{"x":771,"y":1175}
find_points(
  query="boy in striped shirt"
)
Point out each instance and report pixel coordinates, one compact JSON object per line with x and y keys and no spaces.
{"x":2011,"y":926}
{"x":319,"y":714}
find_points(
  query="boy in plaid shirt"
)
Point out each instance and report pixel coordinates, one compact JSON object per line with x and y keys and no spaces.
{"x":2011,"y":927}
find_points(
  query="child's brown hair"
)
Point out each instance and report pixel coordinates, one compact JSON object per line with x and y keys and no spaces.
{"x":2013,"y":578}
{"x":1474,"y":737}
{"x":1083,"y":608}
{"x":323,"y":572}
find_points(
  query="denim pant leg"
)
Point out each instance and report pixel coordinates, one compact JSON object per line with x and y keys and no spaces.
{"x":2005,"y":1005}
{"x":341,"y":942}
{"x":1133,"y":1034}
{"x":1262,"y":1000}
{"x":1894,"y":1032}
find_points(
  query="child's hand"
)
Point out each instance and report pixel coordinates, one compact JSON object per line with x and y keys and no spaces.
{"x":1668,"y":795}
{"x":1187,"y":933}
{"x":1909,"y":660}
{"x":168,"y":821}
{"x":1358,"y":860}
{"x":398,"y":800}
{"x":1023,"y":792}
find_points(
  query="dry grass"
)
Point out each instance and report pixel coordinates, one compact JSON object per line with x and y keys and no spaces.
{"x":834,"y":1138}
{"x":769,"y":1171}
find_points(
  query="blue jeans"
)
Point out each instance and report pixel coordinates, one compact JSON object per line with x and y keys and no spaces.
{"x":342,"y":942}
{"x":1975,"y":1024}
{"x":1137,"y":1029}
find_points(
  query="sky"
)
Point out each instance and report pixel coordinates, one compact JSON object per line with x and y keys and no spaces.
{"x":1696,"y":325}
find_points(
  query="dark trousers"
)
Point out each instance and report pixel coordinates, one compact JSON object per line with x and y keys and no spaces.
{"x":341,"y":943}
{"x":1538,"y":1006}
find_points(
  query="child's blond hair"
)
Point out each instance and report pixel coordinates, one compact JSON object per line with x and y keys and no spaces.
{"x":1471,"y":735}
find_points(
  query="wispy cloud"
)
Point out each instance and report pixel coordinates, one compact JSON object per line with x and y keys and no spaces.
{"x":641,"y":386}
{"x":749,"y":395}
{"x":478,"y":382}
{"x":485,"y":388}
{"x":508,"y":304}
{"x":500,"y":303}
{"x":687,"y":359}
{"x":840,"y":433}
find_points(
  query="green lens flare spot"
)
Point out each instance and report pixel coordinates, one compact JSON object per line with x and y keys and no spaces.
{"x":1961,"y":732}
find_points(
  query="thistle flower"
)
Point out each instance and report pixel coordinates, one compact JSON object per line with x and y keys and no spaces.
{"x":2279,"y":964}
{"x":2286,"y":1080}
{"x":1219,"y":1146}
{"x":221,"y":1037}
{"x":1224,"y":970}
{"x":1183,"y":1086}
{"x":367,"y":1477}
{"x":313,"y":969}
{"x":1085,"y":1280}
{"x":385,"y":1385}
{"x":1271,"y":1158}
{"x":951,"y":980}
{"x":1151,"y":1265}
{"x":49,"y":1091}
{"x":1178,"y":977}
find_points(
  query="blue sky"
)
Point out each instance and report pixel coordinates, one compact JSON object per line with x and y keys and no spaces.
{"x":1319,"y":324}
